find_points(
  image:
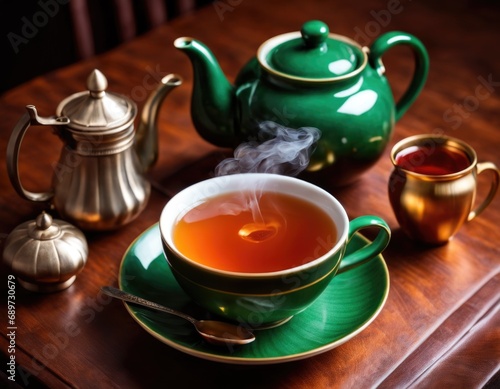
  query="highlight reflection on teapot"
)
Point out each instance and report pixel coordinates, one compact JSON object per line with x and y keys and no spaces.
{"x":309,"y":78}
{"x":98,"y":183}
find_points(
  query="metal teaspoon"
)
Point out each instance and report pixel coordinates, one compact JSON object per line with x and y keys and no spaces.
{"x":214,"y":332}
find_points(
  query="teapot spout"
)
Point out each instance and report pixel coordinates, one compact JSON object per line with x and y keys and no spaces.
{"x":146,"y":139}
{"x":213,"y":95}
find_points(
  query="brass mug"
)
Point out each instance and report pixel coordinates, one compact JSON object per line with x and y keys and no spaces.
{"x":432,"y":188}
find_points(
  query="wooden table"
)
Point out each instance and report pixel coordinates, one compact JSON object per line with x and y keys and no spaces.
{"x":440,"y":325}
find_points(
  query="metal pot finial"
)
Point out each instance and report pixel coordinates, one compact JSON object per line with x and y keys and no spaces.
{"x":97,"y":83}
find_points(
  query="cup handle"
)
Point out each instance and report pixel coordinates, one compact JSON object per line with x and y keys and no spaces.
{"x":482,"y":167}
{"x":14,"y":146}
{"x":372,"y":249}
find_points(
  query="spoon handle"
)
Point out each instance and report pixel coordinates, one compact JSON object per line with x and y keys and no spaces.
{"x":121,"y":295}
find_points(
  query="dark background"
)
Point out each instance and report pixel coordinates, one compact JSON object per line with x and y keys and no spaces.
{"x":52,"y":44}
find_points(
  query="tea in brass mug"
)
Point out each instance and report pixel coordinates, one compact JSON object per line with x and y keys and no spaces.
{"x":432,"y":188}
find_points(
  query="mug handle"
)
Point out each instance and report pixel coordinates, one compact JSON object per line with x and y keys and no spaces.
{"x":482,"y":167}
{"x":390,"y":39}
{"x":14,"y":146}
{"x":372,"y":249}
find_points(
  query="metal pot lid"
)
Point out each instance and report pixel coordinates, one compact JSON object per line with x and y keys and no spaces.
{"x":313,"y":54}
{"x":45,"y":254}
{"x":96,"y":108}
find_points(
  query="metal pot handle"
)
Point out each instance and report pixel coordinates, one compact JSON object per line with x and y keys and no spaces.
{"x":13,"y":147}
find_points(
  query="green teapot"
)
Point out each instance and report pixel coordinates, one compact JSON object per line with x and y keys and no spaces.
{"x":310,"y":78}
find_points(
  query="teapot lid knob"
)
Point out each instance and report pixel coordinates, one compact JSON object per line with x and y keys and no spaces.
{"x":44,"y":228}
{"x":312,"y":54}
{"x":314,"y":33}
{"x":97,"y":83}
{"x":43,"y":221}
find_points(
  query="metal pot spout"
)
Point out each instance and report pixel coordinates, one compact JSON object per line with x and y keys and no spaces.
{"x":146,"y":139}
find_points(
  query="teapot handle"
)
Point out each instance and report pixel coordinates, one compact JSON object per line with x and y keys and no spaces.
{"x":14,"y":146}
{"x":390,"y":39}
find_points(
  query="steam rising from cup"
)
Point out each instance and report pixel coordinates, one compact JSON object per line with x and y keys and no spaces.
{"x":278,"y":149}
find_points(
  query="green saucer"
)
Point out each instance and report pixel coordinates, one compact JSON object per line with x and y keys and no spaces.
{"x":348,"y":305}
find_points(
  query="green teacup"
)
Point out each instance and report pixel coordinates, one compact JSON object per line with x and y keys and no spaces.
{"x":261,"y":299}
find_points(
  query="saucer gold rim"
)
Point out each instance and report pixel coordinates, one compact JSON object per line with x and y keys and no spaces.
{"x":252,"y":354}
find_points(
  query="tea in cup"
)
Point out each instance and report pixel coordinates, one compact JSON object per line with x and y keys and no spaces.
{"x":432,"y":188}
{"x":259,"y":248}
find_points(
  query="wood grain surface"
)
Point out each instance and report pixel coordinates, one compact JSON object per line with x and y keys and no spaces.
{"x":440,"y":325}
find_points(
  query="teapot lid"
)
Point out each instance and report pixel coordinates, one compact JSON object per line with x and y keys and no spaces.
{"x":45,"y":254}
{"x":313,"y":54}
{"x":97,"y":109}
